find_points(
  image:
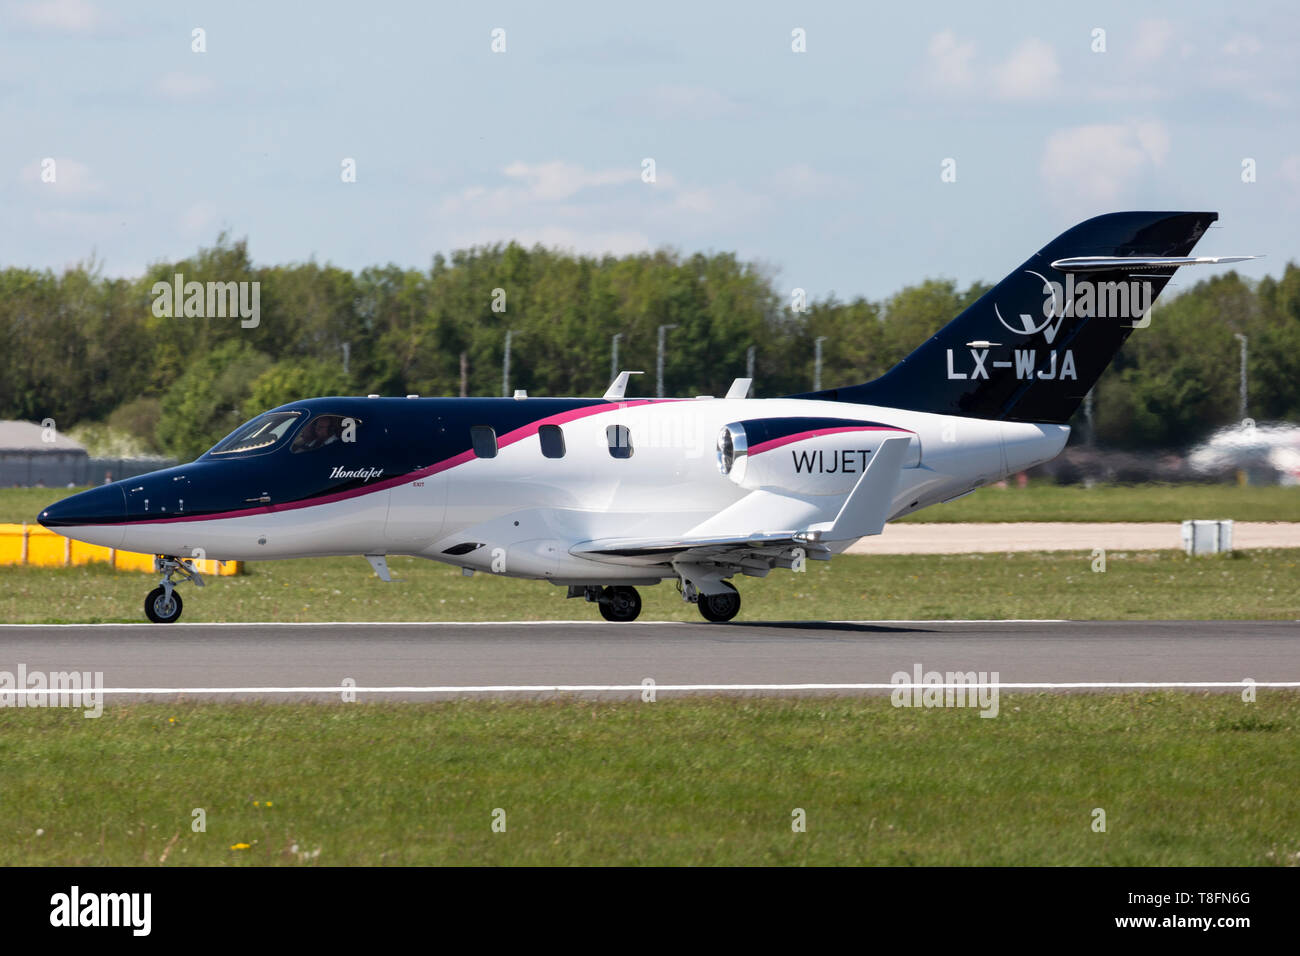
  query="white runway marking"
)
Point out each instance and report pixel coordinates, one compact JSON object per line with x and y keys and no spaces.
{"x":601,"y":688}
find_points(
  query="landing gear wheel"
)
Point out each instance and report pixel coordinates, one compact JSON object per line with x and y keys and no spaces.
{"x":720,"y":607}
{"x":163,"y":605}
{"x":620,"y":604}
{"x":160,"y":609}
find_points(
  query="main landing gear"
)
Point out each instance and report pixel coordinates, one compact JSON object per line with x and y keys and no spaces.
{"x":163,"y":605}
{"x":717,"y":608}
{"x":618,"y":604}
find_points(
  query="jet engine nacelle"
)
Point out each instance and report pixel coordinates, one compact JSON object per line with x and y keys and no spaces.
{"x":827,"y":457}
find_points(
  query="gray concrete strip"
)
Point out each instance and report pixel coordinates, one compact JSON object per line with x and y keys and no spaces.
{"x":542,"y":654}
{"x":918,"y":538}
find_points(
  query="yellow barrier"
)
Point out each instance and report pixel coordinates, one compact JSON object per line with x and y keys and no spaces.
{"x":32,"y":544}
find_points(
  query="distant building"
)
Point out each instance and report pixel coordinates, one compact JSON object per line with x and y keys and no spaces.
{"x":32,"y":456}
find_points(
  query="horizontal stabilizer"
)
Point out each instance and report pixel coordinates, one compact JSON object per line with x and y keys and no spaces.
{"x":1133,"y":263}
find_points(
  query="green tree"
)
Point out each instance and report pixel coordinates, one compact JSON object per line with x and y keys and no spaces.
{"x":293,"y":381}
{"x":205,"y":403}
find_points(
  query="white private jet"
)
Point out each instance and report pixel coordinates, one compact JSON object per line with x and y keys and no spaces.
{"x":602,"y":495}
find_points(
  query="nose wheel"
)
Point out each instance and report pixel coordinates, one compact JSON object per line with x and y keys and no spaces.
{"x":163,"y":605}
{"x":160,"y":607}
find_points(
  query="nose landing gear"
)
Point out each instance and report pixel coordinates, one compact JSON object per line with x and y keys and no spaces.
{"x":163,"y":605}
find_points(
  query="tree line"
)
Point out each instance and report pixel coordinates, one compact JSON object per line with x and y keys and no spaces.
{"x":84,"y":348}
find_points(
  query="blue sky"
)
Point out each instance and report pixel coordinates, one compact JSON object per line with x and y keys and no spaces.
{"x":824,"y":166}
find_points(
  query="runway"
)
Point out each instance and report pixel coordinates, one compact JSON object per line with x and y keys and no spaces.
{"x":532,"y":659}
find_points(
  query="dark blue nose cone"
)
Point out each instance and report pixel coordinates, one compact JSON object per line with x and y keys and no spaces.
{"x":98,"y":506}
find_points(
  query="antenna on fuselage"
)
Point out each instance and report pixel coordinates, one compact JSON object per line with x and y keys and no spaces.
{"x":740,"y":388}
{"x":618,"y":387}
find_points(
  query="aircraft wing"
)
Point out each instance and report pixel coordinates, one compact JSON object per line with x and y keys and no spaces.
{"x":757,"y":552}
{"x":660,"y":548}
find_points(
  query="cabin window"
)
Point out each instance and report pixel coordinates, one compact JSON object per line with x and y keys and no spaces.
{"x":620,"y":441}
{"x":552,"y":439}
{"x":484,"y":438}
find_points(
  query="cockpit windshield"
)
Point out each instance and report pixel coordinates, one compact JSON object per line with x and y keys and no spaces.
{"x":260,"y":435}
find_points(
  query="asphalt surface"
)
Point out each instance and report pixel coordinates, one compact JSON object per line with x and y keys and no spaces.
{"x":530,"y":659}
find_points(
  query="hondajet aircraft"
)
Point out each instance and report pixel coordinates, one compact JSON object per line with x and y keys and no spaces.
{"x":603,"y":495}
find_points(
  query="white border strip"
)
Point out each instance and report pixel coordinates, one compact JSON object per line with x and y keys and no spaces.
{"x":589,"y":688}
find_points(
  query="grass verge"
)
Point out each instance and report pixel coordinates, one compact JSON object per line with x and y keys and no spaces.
{"x":1139,"y":585}
{"x":1183,"y":779}
{"x":1041,"y":501}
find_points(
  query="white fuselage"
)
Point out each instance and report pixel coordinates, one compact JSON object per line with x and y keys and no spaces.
{"x":529,"y":510}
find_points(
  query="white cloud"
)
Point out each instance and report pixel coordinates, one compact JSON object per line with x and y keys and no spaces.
{"x":704,"y":207}
{"x":679,"y":101}
{"x":1151,"y":40}
{"x":1290,"y":170}
{"x":560,"y":180}
{"x":183,"y":86}
{"x":1097,"y":164}
{"x":806,"y":182}
{"x":592,"y":211}
{"x":590,"y":243}
{"x":72,"y":16}
{"x":197,"y":219}
{"x":71,"y":178}
{"x":1031,"y":72}
{"x":536,"y":184}
{"x":949,"y":62}
{"x":1243,"y":45}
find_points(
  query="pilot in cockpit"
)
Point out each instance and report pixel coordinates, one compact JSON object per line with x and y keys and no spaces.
{"x":321,"y":431}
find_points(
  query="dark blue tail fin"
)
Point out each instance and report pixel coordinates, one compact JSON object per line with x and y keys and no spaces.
{"x":1031,"y":347}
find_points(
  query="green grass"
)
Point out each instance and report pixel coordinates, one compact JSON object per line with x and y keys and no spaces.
{"x":1138,"y":585}
{"x":24,"y":504}
{"x":1041,"y":501}
{"x":1183,"y":780}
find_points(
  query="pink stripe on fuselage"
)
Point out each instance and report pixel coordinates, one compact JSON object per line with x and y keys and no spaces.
{"x":818,"y":433}
{"x":509,"y":438}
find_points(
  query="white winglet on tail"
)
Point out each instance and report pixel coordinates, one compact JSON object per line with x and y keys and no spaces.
{"x":865,"y":509}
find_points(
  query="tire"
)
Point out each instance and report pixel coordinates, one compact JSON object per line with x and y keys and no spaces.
{"x":619,"y":605}
{"x":719,"y":608}
{"x":158,"y":611}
